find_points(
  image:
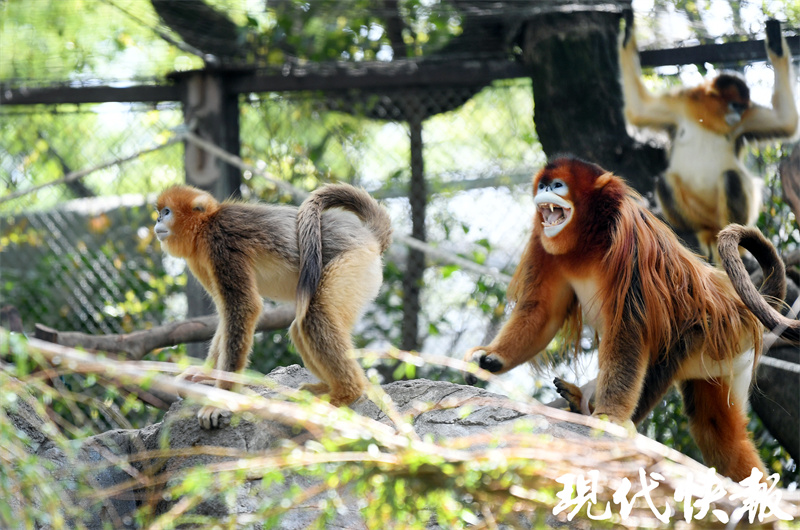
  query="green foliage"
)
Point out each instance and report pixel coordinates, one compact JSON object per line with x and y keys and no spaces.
{"x":350,"y":30}
{"x":44,"y":143}
{"x":83,"y":40}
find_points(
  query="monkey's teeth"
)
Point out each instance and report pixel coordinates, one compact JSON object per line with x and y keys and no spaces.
{"x":553,"y":214}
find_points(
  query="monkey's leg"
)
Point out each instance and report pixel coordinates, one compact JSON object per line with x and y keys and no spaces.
{"x":739,"y":199}
{"x":241,"y":306}
{"x":196,"y":374}
{"x":718,"y":424}
{"x":348,"y":283}
{"x":671,"y":209}
{"x":309,"y":361}
{"x":327,"y":349}
{"x":736,"y":202}
{"x":623,"y":363}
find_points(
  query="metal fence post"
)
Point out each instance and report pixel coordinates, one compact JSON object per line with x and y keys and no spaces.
{"x":212,"y":113}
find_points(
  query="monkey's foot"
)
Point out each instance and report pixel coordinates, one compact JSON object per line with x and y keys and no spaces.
{"x":622,"y":422}
{"x":571,"y":393}
{"x":487,"y":361}
{"x":212,"y":417}
{"x":195,"y":374}
{"x":316,"y":388}
{"x":343,"y":398}
{"x":339,"y":396}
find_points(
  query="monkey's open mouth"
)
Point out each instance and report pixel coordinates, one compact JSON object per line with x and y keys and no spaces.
{"x":556,"y":212}
{"x":554,"y":217}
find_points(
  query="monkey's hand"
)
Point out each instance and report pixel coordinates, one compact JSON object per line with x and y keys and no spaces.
{"x":627,"y":39}
{"x":211,"y":417}
{"x":627,"y":35}
{"x":486,"y":360}
{"x":776,"y":45}
{"x":579,"y":399}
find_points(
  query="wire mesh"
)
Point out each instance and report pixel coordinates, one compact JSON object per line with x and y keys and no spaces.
{"x":80,"y":256}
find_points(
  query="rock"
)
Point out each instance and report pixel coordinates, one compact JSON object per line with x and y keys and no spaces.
{"x":489,"y":415}
{"x":440,"y":411}
{"x":181,"y":430}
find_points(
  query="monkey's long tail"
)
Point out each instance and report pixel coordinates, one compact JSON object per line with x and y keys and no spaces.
{"x":774,"y":285}
{"x":309,"y":231}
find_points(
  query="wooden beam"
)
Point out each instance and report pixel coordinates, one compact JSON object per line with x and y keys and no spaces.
{"x":728,"y":52}
{"x":376,"y":76}
{"x":94,"y":94}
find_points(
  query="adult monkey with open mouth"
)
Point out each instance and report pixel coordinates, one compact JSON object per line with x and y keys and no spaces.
{"x":664,"y":316}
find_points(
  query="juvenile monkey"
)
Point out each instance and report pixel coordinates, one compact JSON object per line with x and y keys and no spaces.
{"x":663,"y":315}
{"x":326,"y":259}
{"x":706,"y":185}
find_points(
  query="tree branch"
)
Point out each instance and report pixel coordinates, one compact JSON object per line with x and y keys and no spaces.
{"x":139,"y":343}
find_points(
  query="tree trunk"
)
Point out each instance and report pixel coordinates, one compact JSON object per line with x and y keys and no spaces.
{"x":578,"y":98}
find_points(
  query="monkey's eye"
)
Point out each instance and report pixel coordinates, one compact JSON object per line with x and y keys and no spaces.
{"x":165,"y":211}
{"x":559,"y":187}
{"x":540,"y":187}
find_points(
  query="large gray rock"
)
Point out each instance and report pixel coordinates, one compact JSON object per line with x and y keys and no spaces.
{"x":490,"y":413}
{"x":440,"y":411}
{"x":448,"y":422}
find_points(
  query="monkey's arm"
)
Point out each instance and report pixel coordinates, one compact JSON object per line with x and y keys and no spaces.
{"x":642,"y":108}
{"x":542,"y":306}
{"x":781,"y":120}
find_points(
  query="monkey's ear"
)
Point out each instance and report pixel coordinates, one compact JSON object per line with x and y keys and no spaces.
{"x":201,"y":203}
{"x":602,"y":180}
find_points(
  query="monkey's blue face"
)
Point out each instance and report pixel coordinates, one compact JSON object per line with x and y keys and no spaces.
{"x":163,"y":223}
{"x":551,"y":199}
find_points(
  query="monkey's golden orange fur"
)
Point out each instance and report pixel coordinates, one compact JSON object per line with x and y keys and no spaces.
{"x":324,"y":258}
{"x":663,"y":315}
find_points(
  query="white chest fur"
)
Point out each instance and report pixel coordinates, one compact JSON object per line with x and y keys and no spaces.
{"x":588,"y":292}
{"x":701,"y":157}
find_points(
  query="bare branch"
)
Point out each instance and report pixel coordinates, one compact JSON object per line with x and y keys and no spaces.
{"x":139,"y":343}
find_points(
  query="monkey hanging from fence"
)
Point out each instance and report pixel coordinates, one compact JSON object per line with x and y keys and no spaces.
{"x":706,"y":185}
{"x":325,"y":259}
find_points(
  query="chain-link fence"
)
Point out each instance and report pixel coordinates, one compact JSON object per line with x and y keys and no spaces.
{"x":79,"y":255}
